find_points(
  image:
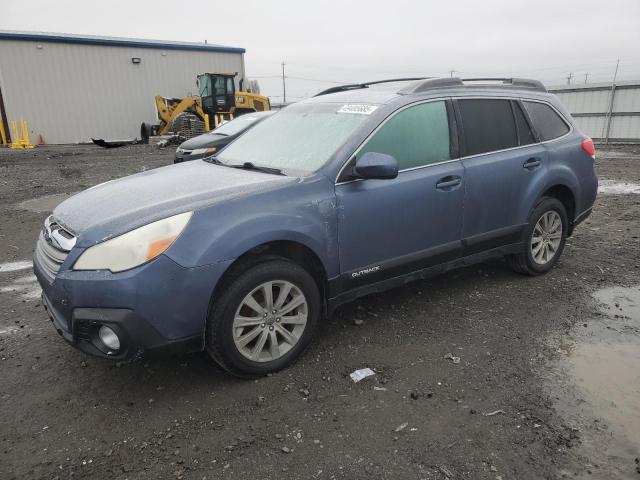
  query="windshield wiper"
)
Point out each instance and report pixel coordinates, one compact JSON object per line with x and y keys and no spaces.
{"x":258,"y":168}
{"x":213,"y":159}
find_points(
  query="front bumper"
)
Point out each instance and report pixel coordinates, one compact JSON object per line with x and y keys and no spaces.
{"x":155,"y":309}
{"x":137,"y":337}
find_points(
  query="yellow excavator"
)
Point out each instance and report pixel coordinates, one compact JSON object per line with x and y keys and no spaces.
{"x":217,"y":101}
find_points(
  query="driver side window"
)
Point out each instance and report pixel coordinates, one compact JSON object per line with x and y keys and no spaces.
{"x":416,"y":136}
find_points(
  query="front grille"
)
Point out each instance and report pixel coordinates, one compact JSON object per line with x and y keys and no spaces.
{"x":54,"y":244}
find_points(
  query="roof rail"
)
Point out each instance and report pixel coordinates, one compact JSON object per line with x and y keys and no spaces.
{"x":429,"y":83}
{"x":356,"y":86}
{"x":512,"y":82}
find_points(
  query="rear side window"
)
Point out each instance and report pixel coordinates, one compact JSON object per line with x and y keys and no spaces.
{"x":546,"y":121}
{"x":488,"y":125}
{"x":524,"y":132}
{"x":416,"y":136}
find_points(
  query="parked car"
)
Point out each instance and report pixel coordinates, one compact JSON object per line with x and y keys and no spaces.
{"x":215,"y":140}
{"x":336,"y":197}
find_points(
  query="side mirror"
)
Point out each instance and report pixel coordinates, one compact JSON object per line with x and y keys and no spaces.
{"x":376,"y":165}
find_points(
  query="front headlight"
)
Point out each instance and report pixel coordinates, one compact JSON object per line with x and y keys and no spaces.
{"x":202,"y":151}
{"x":135,"y":247}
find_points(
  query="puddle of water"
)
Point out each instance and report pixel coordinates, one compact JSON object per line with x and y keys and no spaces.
{"x":612,"y":187}
{"x":44,"y":204}
{"x":601,"y":363}
{"x":15,"y":266}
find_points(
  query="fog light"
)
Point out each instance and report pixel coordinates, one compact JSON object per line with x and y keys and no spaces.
{"x":109,"y":338}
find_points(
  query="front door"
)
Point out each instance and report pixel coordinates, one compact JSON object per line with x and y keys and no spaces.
{"x":224,"y":93}
{"x":387,"y":228}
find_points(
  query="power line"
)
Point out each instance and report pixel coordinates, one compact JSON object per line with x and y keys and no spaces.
{"x":316,"y":80}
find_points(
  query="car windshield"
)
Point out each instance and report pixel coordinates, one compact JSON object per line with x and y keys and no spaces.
{"x":236,"y":125}
{"x":299,"y":139}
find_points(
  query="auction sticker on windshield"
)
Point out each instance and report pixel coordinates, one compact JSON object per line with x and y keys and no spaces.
{"x":358,"y":108}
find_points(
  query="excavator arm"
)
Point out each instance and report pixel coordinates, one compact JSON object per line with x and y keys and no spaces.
{"x":169,"y":109}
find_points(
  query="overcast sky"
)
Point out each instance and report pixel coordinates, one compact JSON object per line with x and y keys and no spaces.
{"x":347,"y":40}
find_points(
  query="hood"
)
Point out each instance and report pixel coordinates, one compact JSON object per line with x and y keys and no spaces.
{"x":118,"y":206}
{"x":203,"y":141}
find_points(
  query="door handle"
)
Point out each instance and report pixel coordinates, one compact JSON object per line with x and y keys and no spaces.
{"x":449,"y":181}
{"x":532,"y":163}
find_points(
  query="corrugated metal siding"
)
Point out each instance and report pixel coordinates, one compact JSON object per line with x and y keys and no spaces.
{"x":590,"y":106}
{"x":585,"y":101}
{"x":71,"y":93}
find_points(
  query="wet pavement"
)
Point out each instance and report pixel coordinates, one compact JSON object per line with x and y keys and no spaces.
{"x":597,"y":384}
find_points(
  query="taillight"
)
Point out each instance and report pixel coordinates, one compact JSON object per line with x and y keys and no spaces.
{"x":589,"y":147}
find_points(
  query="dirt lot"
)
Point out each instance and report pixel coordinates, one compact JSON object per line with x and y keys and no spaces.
{"x":518,"y":405}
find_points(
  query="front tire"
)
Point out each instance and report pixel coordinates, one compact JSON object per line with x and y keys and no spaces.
{"x":264,"y":317}
{"x":545,"y":238}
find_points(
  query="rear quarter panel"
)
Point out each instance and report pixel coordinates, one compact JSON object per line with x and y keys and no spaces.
{"x":567,"y":165}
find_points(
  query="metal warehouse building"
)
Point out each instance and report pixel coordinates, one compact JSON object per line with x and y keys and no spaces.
{"x":604,"y":111}
{"x":71,"y":88}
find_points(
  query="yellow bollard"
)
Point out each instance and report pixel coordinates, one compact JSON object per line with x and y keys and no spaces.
{"x":25,"y":142}
{"x":14,"y":134}
{"x":206,"y":122}
{"x":3,"y":135}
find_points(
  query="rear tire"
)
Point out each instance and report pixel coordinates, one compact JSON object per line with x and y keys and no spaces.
{"x":251,"y":332}
{"x":545,"y":237}
{"x":145,"y":133}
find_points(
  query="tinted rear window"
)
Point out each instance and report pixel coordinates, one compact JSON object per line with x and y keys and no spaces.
{"x":546,"y":121}
{"x":488,"y":125}
{"x":524,"y":131}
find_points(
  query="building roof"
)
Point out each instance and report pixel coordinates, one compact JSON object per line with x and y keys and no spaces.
{"x":115,"y":41}
{"x":577,"y":87}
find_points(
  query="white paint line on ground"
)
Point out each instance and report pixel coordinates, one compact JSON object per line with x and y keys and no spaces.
{"x":26,"y":288}
{"x":8,"y":330}
{"x":15,"y":266}
{"x":613,"y":187}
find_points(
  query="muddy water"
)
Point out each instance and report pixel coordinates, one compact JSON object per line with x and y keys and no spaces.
{"x":613,"y":187}
{"x":596,"y":385}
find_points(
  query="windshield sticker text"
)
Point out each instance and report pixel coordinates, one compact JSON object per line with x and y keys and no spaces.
{"x":359,"y":109}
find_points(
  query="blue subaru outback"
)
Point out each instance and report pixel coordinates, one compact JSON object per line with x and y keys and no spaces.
{"x":354,"y":191}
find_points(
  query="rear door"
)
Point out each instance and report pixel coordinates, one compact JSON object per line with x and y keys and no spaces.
{"x":388,"y":228}
{"x":501,"y":158}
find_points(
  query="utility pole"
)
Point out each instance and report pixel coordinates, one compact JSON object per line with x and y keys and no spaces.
{"x":607,"y":123}
{"x":284,"y":87}
{"x":569,"y":77}
{"x":451,"y":72}
{"x":586,"y":76}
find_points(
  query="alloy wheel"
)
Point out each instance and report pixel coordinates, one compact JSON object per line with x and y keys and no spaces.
{"x":270,"y":321}
{"x":546,"y":237}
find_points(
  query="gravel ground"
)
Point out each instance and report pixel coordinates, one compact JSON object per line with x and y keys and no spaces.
{"x":492,"y":415}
